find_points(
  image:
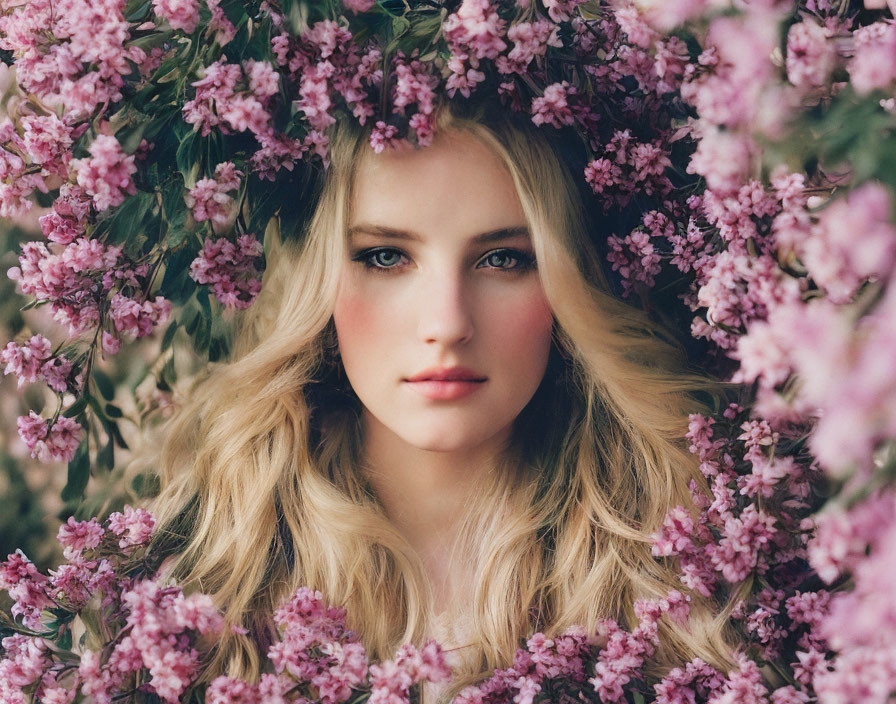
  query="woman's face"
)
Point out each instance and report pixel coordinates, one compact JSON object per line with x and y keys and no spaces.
{"x":439,"y":275}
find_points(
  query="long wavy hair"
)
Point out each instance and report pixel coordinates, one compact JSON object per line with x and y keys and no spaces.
{"x":261,"y":489}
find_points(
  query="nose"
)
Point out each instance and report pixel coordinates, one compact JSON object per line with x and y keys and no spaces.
{"x":445,"y":313}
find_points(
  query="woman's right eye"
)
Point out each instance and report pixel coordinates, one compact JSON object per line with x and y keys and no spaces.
{"x":381,"y":259}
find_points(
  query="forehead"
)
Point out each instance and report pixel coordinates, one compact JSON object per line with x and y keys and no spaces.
{"x":456,"y":183}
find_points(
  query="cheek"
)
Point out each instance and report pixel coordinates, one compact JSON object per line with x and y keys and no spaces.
{"x":523,"y":330}
{"x":356,"y":321}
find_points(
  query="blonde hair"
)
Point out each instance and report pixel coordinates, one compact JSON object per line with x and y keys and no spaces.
{"x":261,"y":488}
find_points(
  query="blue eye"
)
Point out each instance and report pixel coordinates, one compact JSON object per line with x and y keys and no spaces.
{"x":378,"y":259}
{"x":524,"y":261}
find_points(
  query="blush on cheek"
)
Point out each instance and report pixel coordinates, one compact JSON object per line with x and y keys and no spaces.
{"x":525,"y":324}
{"x":354,"y":317}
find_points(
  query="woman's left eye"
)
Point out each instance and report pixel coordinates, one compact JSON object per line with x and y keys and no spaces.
{"x":524,"y":261}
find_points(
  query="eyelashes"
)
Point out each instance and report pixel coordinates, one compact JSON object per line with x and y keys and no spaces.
{"x":371,"y":260}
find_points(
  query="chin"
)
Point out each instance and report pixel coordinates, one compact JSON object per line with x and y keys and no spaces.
{"x":445,"y":441}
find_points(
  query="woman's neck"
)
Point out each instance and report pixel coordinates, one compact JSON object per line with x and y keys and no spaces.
{"x":425,"y":493}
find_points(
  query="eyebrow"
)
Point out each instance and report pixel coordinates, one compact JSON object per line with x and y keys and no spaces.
{"x":503,"y":233}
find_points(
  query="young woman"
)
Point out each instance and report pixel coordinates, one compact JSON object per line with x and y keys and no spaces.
{"x":438,"y":415}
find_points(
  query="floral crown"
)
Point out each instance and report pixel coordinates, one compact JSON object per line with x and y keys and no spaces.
{"x":166,"y":136}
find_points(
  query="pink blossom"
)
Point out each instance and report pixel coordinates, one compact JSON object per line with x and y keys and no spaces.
{"x":530,"y":39}
{"x":180,"y":14}
{"x":65,"y":223}
{"x":221,"y":100}
{"x":138,"y":319}
{"x":357,"y":6}
{"x":552,"y":108}
{"x":83,"y":67}
{"x":854,"y":241}
{"x":48,"y":141}
{"x":26,"y":586}
{"x":57,"y":442}
{"x":110,"y":343}
{"x":77,"y":536}
{"x":810,"y":54}
{"x":209,"y":199}
{"x":693,"y":683}
{"x":232,"y":269}
{"x":219,"y":24}
{"x":26,"y":361}
{"x":723,"y":158}
{"x":744,"y":540}
{"x":561,"y":10}
{"x":742,"y":686}
{"x":106,"y":174}
{"x":132,"y":526}
{"x":383,"y":136}
{"x":872,"y":65}
{"x":475,"y":28}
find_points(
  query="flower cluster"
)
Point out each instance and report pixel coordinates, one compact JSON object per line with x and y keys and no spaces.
{"x":139,"y":631}
{"x":143,"y":634}
{"x":231,"y":269}
{"x":142,"y":122}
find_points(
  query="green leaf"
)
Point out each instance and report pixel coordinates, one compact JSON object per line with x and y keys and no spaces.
{"x":104,"y":384}
{"x":167,"y":376}
{"x":188,"y":153}
{"x":400,"y":25}
{"x":64,"y":641}
{"x":128,"y":218}
{"x":106,"y":456}
{"x":113,"y":411}
{"x":78,"y":474}
{"x":218,"y":348}
{"x":168,"y":338}
{"x":77,"y":407}
{"x":136,"y":10}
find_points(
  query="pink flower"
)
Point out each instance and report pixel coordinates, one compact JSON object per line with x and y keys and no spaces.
{"x":723,"y":158}
{"x":48,"y":141}
{"x":855,"y":240}
{"x":357,"y":6}
{"x":232,"y":269}
{"x":552,"y":108}
{"x":138,"y":319}
{"x":132,"y":526}
{"x":873,"y":65}
{"x":209,"y":199}
{"x":106,"y":174}
{"x":222,"y":101}
{"x":476,"y":28}
{"x":810,"y":54}
{"x":27,"y":587}
{"x":26,"y":361}
{"x":180,"y":14}
{"x":77,"y":536}
{"x":50,"y":443}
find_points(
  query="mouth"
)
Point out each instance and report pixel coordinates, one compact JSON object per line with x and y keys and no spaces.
{"x":446,"y":389}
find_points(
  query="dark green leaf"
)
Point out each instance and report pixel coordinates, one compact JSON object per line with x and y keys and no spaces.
{"x":168,"y":338}
{"x":103,"y":384}
{"x":218,"y":349}
{"x":113,"y":411}
{"x":188,"y":152}
{"x":106,"y":456}
{"x":78,"y":474}
{"x":77,"y":407}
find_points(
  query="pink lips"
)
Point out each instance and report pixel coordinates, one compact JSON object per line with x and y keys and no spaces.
{"x":446,"y":384}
